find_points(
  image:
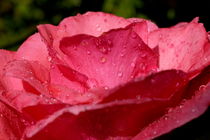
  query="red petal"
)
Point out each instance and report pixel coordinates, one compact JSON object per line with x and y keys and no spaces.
{"x":111,"y":59}
{"x":195,"y":102}
{"x":122,"y":118}
{"x":162,"y":86}
{"x":188,"y":110}
{"x":83,"y":122}
{"x":34,"y":49}
{"x":11,"y":127}
{"x":184,"y":47}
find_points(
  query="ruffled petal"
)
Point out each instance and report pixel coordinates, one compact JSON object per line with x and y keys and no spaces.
{"x":164,"y":86}
{"x":184,"y":47}
{"x":5,"y":57}
{"x":12,"y":125}
{"x":111,"y":59}
{"x":195,"y":102}
{"x":21,"y":70}
{"x":34,"y":49}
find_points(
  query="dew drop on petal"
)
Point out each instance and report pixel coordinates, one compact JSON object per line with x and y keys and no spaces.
{"x":49,"y":58}
{"x":103,"y":60}
{"x":193,"y":110}
{"x":138,"y":97}
{"x":133,"y":64}
{"x":88,"y":52}
{"x":202,"y":87}
{"x":120,"y":74}
{"x":109,"y":42}
{"x":106,"y":87}
{"x":133,"y":35}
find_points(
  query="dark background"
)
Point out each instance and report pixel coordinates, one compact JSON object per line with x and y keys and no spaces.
{"x":18,"y":20}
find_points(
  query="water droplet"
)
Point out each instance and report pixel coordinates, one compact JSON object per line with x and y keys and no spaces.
{"x":133,"y":64}
{"x":109,"y":42}
{"x":49,"y":58}
{"x":138,"y":97}
{"x":92,"y":83}
{"x":202,"y":87}
{"x":122,"y":54}
{"x":193,"y":110}
{"x":88,"y":52}
{"x":133,"y":35}
{"x":84,"y":43}
{"x":103,"y":60}
{"x":153,"y":81}
{"x":106,"y":87}
{"x":98,"y":28}
{"x":170,"y":110}
{"x":177,"y":84}
{"x":120,"y":74}
{"x":142,"y":66}
{"x":205,"y":59}
{"x":114,"y":64}
{"x":165,"y":118}
{"x":154,"y":132}
{"x":1,"y":115}
{"x":103,"y":50}
{"x":75,"y":47}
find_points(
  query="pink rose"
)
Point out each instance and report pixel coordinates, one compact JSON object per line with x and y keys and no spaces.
{"x":97,"y":76}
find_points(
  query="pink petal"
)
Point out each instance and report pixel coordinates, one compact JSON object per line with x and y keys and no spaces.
{"x":184,"y":47}
{"x":90,"y":23}
{"x":20,"y":99}
{"x":150,"y":25}
{"x":34,"y":49}
{"x":19,"y":70}
{"x":5,"y":57}
{"x":111,"y":59}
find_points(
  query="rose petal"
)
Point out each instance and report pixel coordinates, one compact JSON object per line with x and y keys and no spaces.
{"x":114,"y":58}
{"x":5,"y":57}
{"x":178,"y":116}
{"x":11,"y":127}
{"x":83,"y":122}
{"x":123,"y":117}
{"x":19,"y":70}
{"x":34,"y":49}
{"x":83,"y":24}
{"x":163,"y":86}
{"x":195,"y":102}
{"x":184,"y":47}
{"x":20,"y":99}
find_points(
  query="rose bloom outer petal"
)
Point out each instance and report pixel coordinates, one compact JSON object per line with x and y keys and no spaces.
{"x":184,"y":47}
{"x":195,"y":102}
{"x":34,"y":49}
{"x":111,"y":59}
{"x":5,"y":57}
{"x":90,"y":23}
{"x":12,"y":126}
{"x":121,"y":118}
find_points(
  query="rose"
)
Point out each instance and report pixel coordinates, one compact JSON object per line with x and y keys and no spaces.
{"x":97,"y":76}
